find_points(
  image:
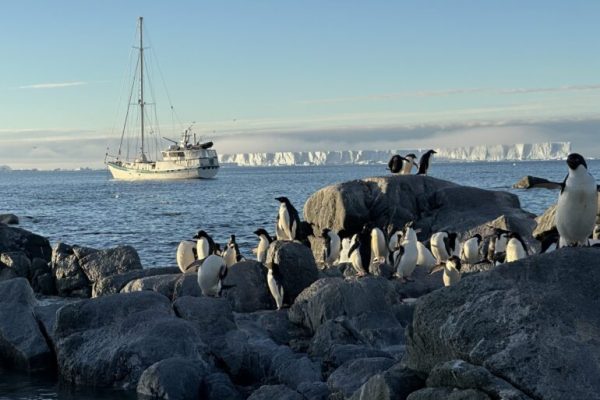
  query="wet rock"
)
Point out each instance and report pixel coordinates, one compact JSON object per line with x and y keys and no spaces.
{"x":111,"y":340}
{"x":296,"y":265}
{"x":212,"y":316}
{"x":245,"y":286}
{"x":17,"y":239}
{"x":217,"y":386}
{"x":353,"y":374}
{"x":395,"y":383}
{"x":280,"y":392}
{"x":68,"y":275}
{"x":163,"y":284}
{"x":9,"y":219}
{"x":114,"y":283}
{"x":102,"y":263}
{"x":173,"y":378}
{"x":530,"y":182}
{"x":22,"y":344}
{"x":532,"y":323}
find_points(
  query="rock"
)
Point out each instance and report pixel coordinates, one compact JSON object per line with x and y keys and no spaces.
{"x":173,"y":378}
{"x":17,"y":239}
{"x":296,"y":265}
{"x":529,"y":182}
{"x":524,"y":226}
{"x":7,"y":273}
{"x":339,"y":354}
{"x":250,"y":359}
{"x":395,"y":383}
{"x":218,"y":386}
{"x":432,"y":203}
{"x":447,"y":394}
{"x":462,"y":375}
{"x":111,"y":340}
{"x":114,"y":283}
{"x":22,"y":344}
{"x":532,"y":323}
{"x":212,"y":316}
{"x":45,"y":314}
{"x":100,"y":264}
{"x":273,"y":324}
{"x":187,"y":285}
{"x":9,"y":219}
{"x":163,"y":284}
{"x":68,"y":275}
{"x":279,"y":392}
{"x":314,"y":390}
{"x":545,"y":223}
{"x":353,"y":374}
{"x":18,"y":262}
{"x":384,"y":270}
{"x":246,"y":287}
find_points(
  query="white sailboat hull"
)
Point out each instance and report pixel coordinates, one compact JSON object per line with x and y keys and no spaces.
{"x":142,"y":172}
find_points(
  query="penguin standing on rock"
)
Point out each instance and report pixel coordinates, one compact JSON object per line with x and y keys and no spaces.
{"x":410,"y":255}
{"x":452,"y":271}
{"x":355,"y":256}
{"x":288,"y":220}
{"x":577,"y":203}
{"x":263,"y":244}
{"x":443,"y":245}
{"x":499,"y":248}
{"x":424,"y":162}
{"x":205,"y":245}
{"x":470,"y":249}
{"x":346,"y":245}
{"x":275,"y":284}
{"x":515,"y":248}
{"x":186,"y":254}
{"x":331,"y":253}
{"x":379,"y":246}
{"x":232,"y":252}
{"x":211,"y":273}
{"x":396,"y":163}
{"x":409,"y":161}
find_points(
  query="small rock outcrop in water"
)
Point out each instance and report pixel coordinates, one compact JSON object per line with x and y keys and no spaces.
{"x":532,"y":324}
{"x":9,"y":219}
{"x":530,"y":182}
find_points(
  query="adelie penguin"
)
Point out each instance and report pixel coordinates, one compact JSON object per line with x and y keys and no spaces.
{"x":288,"y":220}
{"x":470,"y":249}
{"x":232,"y":255}
{"x":331,"y":252}
{"x":452,"y":271}
{"x":211,"y":274}
{"x":263,"y":245}
{"x":355,"y":256}
{"x":577,"y":203}
{"x":409,"y":162}
{"x":515,"y":248}
{"x":186,"y":254}
{"x":205,"y":245}
{"x":443,"y":245}
{"x":275,"y":284}
{"x":424,"y":162}
{"x":395,"y":164}
{"x":379,"y":246}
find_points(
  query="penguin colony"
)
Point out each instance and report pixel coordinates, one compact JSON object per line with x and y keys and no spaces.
{"x":575,"y":222}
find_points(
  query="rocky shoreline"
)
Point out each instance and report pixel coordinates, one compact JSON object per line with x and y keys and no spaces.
{"x":522,"y":330}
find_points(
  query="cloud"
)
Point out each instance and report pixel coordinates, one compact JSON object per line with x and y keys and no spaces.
{"x":53,"y":85}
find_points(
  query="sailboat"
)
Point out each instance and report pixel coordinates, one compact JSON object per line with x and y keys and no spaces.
{"x":185,"y":159}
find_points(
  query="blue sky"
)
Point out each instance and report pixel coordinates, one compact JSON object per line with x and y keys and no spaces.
{"x":301,"y":75}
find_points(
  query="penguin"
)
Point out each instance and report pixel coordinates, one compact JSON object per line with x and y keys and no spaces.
{"x":288,"y":220}
{"x":424,"y":257}
{"x":275,"y":284}
{"x":409,"y":161}
{"x":470,"y":249}
{"x":205,"y":245}
{"x":550,"y":243}
{"x":395,"y":240}
{"x":577,"y":203}
{"x":211,"y":273}
{"x":347,"y":243}
{"x":185,"y":254}
{"x":424,"y":162}
{"x":396,"y":256}
{"x":395,"y":164}
{"x":452,"y":271}
{"x":263,"y":245}
{"x":232,"y":252}
{"x":408,"y":261}
{"x":515,"y":248}
{"x":305,"y":229}
{"x":364,"y":237}
{"x":331,"y":253}
{"x":442,"y":245}
{"x":500,"y":242}
{"x":379,"y":246}
{"x":355,"y":256}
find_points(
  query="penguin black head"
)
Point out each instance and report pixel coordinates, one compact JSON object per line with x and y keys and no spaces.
{"x":260,"y":231}
{"x":283,"y":199}
{"x":515,"y":235}
{"x":574,"y":160}
{"x":232,"y":239}
{"x":412,"y":155}
{"x":478,"y":237}
{"x":355,"y":245}
{"x":343,"y":234}
{"x":325,"y":233}
{"x":456,"y":261}
{"x":200,"y":234}
{"x":430,"y":152}
{"x":549,"y":240}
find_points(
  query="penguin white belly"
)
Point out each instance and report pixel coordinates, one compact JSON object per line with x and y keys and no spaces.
{"x":451,"y":276}
{"x":346,"y":245}
{"x":515,"y":250}
{"x":424,"y":256}
{"x":185,"y":254}
{"x":471,"y":251}
{"x":203,"y":248}
{"x":356,"y":261}
{"x":576,"y":212}
{"x":378,"y":246}
{"x":406,"y":168}
{"x":408,"y":262}
{"x":334,"y":250}
{"x":209,"y":275}
{"x":261,"y":252}
{"x":276,"y":289}
{"x":438,"y":247}
{"x":230,"y":257}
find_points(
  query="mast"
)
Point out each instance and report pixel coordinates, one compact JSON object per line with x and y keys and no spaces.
{"x":141,"y":100}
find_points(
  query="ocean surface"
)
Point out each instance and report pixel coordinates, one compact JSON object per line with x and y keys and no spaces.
{"x":90,"y":209}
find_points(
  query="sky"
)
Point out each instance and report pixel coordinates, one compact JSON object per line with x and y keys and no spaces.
{"x":283,"y":75}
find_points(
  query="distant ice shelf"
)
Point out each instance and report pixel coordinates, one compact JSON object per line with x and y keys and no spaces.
{"x":516,"y":152}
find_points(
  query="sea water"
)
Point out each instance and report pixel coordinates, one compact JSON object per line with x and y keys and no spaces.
{"x":90,"y":209}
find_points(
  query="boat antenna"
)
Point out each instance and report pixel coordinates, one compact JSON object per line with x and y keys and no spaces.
{"x":141,"y":101}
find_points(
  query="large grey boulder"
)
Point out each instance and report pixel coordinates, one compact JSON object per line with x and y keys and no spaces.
{"x":102,"y":263}
{"x":530,"y":182}
{"x":296,"y":265}
{"x":70,"y":279}
{"x":246,"y":288}
{"x":45,"y":313}
{"x":396,"y":383}
{"x":432,"y":203}
{"x":17,"y":239}
{"x":217,"y":386}
{"x":274,"y":324}
{"x":22,"y":344}
{"x":110,"y":341}
{"x":163,"y":284}
{"x":173,"y":378}
{"x":531,"y":323}
{"x":545,"y":223}
{"x":212,"y":316}
{"x":353,"y":374}
{"x":187,"y":285}
{"x":9,"y":219}
{"x":114,"y":283}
